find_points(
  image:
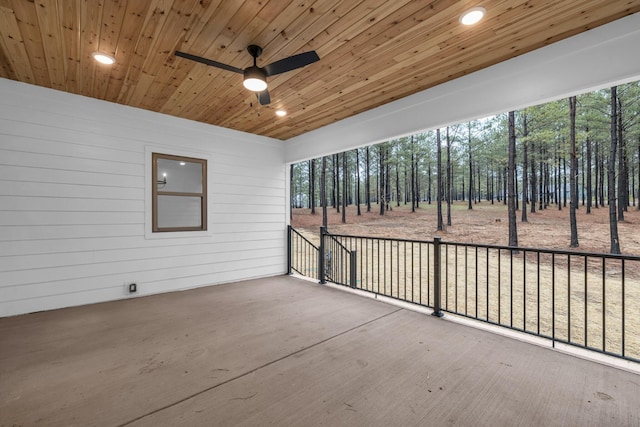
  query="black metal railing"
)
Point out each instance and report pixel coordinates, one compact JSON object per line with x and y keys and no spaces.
{"x":339,"y":261}
{"x":302,"y":255}
{"x":583,"y":299}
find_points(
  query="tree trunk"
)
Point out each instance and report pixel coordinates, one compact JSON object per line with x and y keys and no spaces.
{"x":471,"y":196}
{"x":601,"y":191}
{"x":582,"y":156}
{"x":413,"y":178}
{"x":574,"y":172}
{"x":439,"y":181}
{"x":564,"y":180}
{"x":596,"y":175}
{"x":323,"y":190}
{"x":387,"y":178}
{"x":525,"y":166}
{"x":613,"y":221}
{"x":397,"y":184}
{"x":367,"y":182}
{"x":292,"y":192}
{"x":541,"y":180}
{"x":312,"y":186}
{"x":622,"y":187}
{"x":336,"y":163}
{"x":511,"y":177}
{"x":381,"y":190}
{"x":429,"y":183}
{"x":589,"y":189}
{"x":449,"y":178}
{"x":534,"y":185}
{"x":344,"y":187}
{"x":358,"y":182}
{"x":416,"y":190}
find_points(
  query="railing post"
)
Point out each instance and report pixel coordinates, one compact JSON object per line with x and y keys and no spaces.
{"x":321,"y":272}
{"x":437,"y":294}
{"x":352,"y":266}
{"x":289,"y":251}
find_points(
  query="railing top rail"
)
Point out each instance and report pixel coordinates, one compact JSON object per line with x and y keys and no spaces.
{"x":501,"y":247}
{"x":380,"y":238}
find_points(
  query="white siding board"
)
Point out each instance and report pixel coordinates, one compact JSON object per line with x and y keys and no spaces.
{"x":47,"y":189}
{"x":60,"y":176}
{"x":30,"y":218}
{"x":32,"y":203}
{"x":254,"y":226}
{"x":73,"y":202}
{"x":61,"y":232}
{"x":249,"y":172}
{"x":64,"y":259}
{"x":255,"y":182}
{"x":53,"y":161}
{"x":246,"y":190}
{"x":71,"y":151}
{"x":35,"y":130}
{"x":131,"y":267}
{"x":246,"y":217}
{"x":239,"y":200}
{"x":54,"y":246}
{"x":168,"y":284}
{"x":247,"y":208}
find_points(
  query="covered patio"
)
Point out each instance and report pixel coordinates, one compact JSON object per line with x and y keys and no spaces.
{"x":285,"y":351}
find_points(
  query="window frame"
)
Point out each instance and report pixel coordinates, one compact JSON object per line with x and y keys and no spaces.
{"x":155,"y":192}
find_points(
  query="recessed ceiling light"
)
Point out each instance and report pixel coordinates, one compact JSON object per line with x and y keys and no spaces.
{"x":182,"y":163}
{"x":281,"y":113}
{"x":103,"y":58}
{"x":473,"y":15}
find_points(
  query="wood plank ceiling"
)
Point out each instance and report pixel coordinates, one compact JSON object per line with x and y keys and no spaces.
{"x":372,"y":51}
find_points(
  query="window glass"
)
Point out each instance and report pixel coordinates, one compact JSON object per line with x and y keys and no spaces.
{"x":175,"y":211}
{"x":179,"y":193}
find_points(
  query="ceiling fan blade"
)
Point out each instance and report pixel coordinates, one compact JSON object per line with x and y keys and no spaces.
{"x":264,"y":97}
{"x":291,"y":63}
{"x":209,"y":62}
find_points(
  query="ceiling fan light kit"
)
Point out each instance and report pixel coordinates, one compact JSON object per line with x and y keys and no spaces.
{"x":255,"y":78}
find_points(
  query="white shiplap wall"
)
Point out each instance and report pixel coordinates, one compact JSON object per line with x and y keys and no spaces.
{"x":74,"y":220}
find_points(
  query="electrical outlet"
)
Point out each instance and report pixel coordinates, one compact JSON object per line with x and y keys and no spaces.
{"x":133,"y":288}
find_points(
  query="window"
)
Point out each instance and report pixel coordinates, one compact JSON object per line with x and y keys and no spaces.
{"x":179,"y":195}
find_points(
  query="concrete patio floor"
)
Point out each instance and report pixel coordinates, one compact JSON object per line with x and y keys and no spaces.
{"x":284,"y":351}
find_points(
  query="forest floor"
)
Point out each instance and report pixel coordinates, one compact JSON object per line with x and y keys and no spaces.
{"x":486,"y":223}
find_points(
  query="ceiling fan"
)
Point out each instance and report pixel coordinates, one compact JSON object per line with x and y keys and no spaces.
{"x":255,"y":78}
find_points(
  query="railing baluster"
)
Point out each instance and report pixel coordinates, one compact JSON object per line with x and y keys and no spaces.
{"x":486,"y":314}
{"x":569,"y":298}
{"x":553,"y":299}
{"x":456,"y":280}
{"x":499,"y":284}
{"x":511,"y":288}
{"x":538,"y":286}
{"x":623,"y":307}
{"x":436,"y":277}
{"x":466,"y":271}
{"x":524,"y":290}
{"x":604,"y":307}
{"x":586,"y":309}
